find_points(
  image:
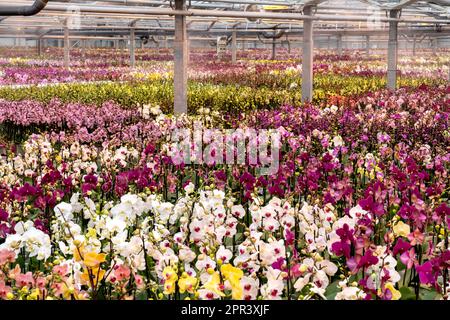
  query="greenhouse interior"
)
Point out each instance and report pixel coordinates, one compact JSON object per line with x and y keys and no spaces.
{"x":224,"y":150}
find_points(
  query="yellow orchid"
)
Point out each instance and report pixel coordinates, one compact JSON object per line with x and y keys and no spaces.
{"x":92,"y":273}
{"x":58,"y":158}
{"x":78,"y":252}
{"x":96,"y":275}
{"x":214,"y":284}
{"x":234,"y":276}
{"x":187,"y":283}
{"x":169,"y":287}
{"x":92,"y":233}
{"x":34,"y":295}
{"x":396,"y":295}
{"x":93,"y":259}
{"x":401,"y":229}
{"x":231,"y":273}
{"x":170,"y":278}
{"x":66,"y":291}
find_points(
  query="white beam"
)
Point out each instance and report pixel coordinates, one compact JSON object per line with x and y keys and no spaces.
{"x":368,"y":45}
{"x":233,"y":47}
{"x":132,"y":47}
{"x":392,"y":51}
{"x":307,"y":59}
{"x":66,"y":44}
{"x":180,"y":63}
{"x":339,"y":44}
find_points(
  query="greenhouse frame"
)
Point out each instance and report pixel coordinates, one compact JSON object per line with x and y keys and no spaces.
{"x":225,"y":150}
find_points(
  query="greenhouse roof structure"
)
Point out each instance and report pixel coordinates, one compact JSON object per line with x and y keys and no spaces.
{"x":211,"y":18}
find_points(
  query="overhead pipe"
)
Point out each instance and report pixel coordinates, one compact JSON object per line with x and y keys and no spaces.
{"x":259,"y":38}
{"x":251,"y":2}
{"x":288,"y":42}
{"x":251,"y":8}
{"x":153,"y":39}
{"x":35,"y":8}
{"x":209,"y":41}
{"x":276,"y":35}
{"x":240,"y":33}
{"x":233,"y":14}
{"x":245,"y":32}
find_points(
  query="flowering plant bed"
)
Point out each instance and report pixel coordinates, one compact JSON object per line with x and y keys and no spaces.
{"x":93,"y":205}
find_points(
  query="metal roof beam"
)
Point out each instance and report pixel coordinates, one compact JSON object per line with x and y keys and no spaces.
{"x":400,"y":5}
{"x":231,"y":14}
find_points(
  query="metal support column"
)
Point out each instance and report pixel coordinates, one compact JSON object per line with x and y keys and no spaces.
{"x":392,"y":51}
{"x":307,"y":59}
{"x":274,"y":49}
{"x":66,"y":45}
{"x":448,"y":79}
{"x":180,"y":63}
{"x":132,"y":47}
{"x":368,"y":45}
{"x":39,"y":46}
{"x":188,"y":51}
{"x":339,"y":44}
{"x":233,"y":47}
{"x":288,"y":42}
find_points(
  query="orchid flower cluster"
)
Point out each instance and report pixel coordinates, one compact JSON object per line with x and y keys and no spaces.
{"x":93,"y":204}
{"x":91,"y":65}
{"x":199,"y":247}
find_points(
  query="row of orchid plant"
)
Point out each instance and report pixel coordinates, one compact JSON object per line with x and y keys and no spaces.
{"x":93,"y":205}
{"x":103,"y":65}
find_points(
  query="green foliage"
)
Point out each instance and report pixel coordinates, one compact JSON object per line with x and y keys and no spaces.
{"x":425,"y":294}
{"x":407,"y":293}
{"x":332,"y":290}
{"x":220,"y":97}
